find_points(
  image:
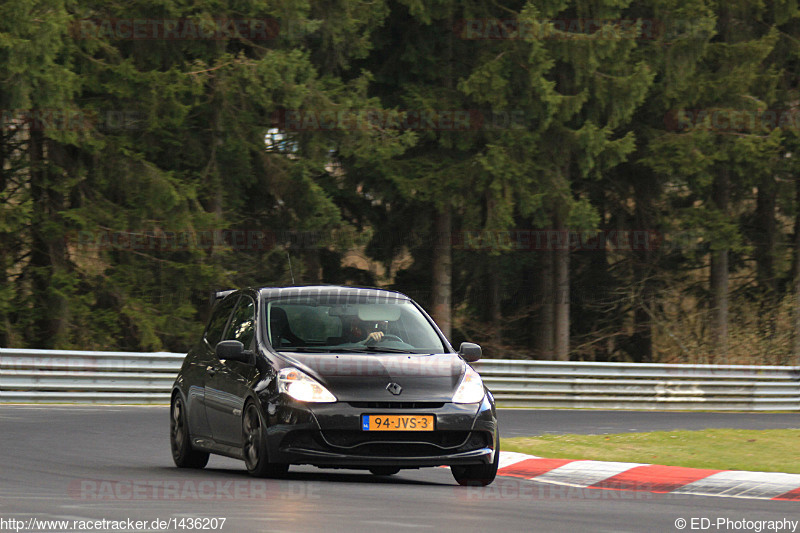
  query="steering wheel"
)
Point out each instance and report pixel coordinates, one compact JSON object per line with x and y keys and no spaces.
{"x":385,"y":338}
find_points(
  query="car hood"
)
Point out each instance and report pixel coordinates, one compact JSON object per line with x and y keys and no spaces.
{"x":365,"y":377}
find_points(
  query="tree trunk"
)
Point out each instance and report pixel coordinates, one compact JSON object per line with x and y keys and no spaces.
{"x":212,"y":167}
{"x":643,"y":321}
{"x":719,"y":276}
{"x":643,"y":334}
{"x":313,"y":267}
{"x":4,"y":329}
{"x":796,"y":339}
{"x":765,"y":254}
{"x":545,"y":333}
{"x":719,"y":303}
{"x":442,"y":272}
{"x":495,"y":301}
{"x":561,"y":297}
{"x":48,"y":251}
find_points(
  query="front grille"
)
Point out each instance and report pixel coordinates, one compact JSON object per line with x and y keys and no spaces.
{"x":386,"y":449}
{"x":389,"y":443}
{"x":358,"y":439}
{"x":397,"y":405}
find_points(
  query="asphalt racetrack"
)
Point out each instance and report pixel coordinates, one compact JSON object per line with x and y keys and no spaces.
{"x":87,"y":464}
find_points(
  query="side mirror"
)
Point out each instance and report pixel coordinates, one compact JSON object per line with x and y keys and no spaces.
{"x":233,"y":351}
{"x":469,"y":352}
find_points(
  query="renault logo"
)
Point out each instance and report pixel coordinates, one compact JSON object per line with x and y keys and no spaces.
{"x":394,"y":388}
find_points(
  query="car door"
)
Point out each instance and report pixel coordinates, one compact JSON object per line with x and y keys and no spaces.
{"x":228,"y":382}
{"x":202,"y":364}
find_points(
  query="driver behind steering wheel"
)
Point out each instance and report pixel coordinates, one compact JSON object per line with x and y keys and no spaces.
{"x":376,"y":331}
{"x":366,"y":332}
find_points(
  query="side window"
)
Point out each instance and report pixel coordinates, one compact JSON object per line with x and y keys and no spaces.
{"x":243,"y":323}
{"x":219,"y":318}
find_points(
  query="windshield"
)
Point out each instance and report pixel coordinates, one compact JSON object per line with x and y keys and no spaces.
{"x":337,"y":324}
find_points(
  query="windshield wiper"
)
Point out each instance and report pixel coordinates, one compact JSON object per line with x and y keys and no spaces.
{"x":303,"y":349}
{"x":378,"y":349}
{"x":349,"y":349}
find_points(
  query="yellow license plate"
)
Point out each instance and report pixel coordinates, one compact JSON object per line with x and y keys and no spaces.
{"x":397,"y":422}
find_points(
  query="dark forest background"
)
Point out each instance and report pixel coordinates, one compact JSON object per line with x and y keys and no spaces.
{"x":590,"y":180}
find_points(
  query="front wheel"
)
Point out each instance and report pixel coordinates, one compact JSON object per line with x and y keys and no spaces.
{"x":182,"y":452}
{"x":254,"y":445}
{"x":477,"y":475}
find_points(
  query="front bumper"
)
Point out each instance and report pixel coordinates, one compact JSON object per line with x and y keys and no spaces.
{"x":330,"y":435}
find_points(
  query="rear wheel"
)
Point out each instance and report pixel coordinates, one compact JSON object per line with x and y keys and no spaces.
{"x":477,"y":475}
{"x":182,"y":452}
{"x":254,"y":445}
{"x":384,"y":470}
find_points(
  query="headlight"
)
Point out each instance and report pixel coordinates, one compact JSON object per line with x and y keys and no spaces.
{"x":471,"y":388}
{"x":301,"y":387}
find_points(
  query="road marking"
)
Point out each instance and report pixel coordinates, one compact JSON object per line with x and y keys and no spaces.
{"x":509,"y":458}
{"x":652,"y":478}
{"x":585,"y":473}
{"x":739,"y":484}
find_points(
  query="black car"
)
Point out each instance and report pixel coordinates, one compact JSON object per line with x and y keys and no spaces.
{"x":336,"y":377}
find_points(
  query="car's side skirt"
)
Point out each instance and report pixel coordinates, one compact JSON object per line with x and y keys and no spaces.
{"x":211,"y":446}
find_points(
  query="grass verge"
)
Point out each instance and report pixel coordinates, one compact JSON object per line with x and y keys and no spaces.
{"x":768,"y":450}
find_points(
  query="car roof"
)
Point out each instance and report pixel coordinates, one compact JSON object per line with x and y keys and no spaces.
{"x":329,"y":290}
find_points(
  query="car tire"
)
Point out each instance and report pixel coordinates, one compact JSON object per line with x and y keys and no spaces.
{"x":384,"y":470}
{"x":182,"y":452}
{"x":477,"y":475}
{"x":254,"y":445}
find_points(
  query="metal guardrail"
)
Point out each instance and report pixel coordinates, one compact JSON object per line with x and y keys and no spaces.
{"x":56,"y":376}
{"x":555,"y":384}
{"x":64,"y":376}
